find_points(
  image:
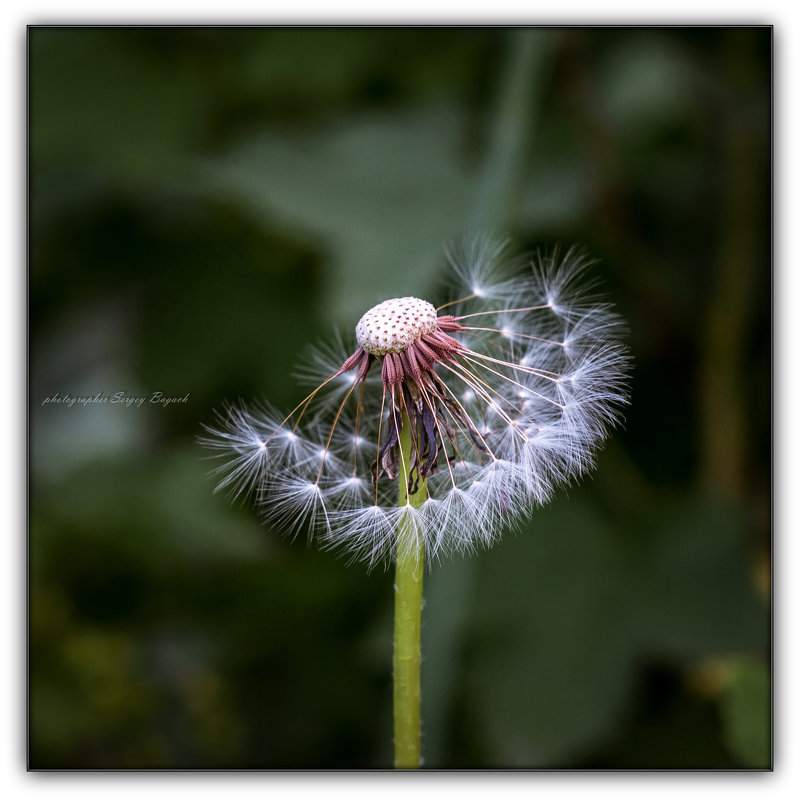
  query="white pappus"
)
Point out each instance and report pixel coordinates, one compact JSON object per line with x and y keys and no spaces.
{"x":507,"y":391}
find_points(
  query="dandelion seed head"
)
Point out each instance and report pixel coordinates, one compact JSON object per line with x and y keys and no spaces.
{"x":507,"y":391}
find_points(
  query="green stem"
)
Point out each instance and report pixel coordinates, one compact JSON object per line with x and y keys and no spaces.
{"x":408,"y":623}
{"x":505,"y":175}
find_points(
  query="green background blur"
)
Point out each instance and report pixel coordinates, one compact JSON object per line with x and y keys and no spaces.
{"x":204,"y":203}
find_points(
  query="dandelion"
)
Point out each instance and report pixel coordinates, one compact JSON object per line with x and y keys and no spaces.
{"x":505,"y":392}
{"x":440,"y":427}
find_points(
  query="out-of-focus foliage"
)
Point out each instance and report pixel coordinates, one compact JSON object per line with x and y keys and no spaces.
{"x":204,"y":203}
{"x":745,"y":712}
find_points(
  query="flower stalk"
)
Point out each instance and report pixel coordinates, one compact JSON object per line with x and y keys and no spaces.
{"x":408,"y":619}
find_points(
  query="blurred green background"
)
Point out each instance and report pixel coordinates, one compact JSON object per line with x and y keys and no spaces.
{"x":204,"y":203}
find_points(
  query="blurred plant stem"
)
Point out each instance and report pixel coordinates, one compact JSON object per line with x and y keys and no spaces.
{"x":724,"y":401}
{"x":408,"y":621}
{"x":514,"y":118}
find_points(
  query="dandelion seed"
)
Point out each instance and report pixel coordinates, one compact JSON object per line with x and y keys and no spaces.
{"x":507,"y":391}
